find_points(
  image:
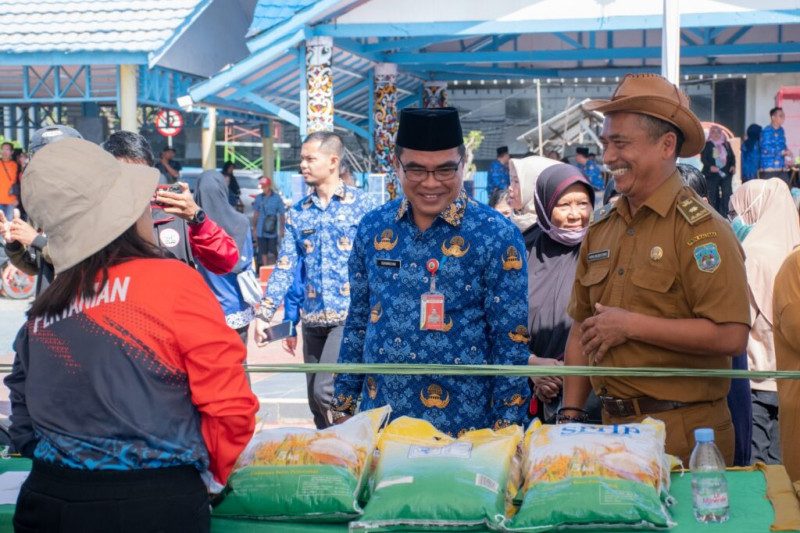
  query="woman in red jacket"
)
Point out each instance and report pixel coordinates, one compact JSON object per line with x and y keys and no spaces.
{"x":127,"y":390}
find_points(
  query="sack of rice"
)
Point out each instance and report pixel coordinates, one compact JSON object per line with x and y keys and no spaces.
{"x":425,"y":479}
{"x":304,"y":474}
{"x":601,"y":476}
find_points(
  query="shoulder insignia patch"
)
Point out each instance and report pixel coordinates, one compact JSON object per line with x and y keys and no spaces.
{"x":601,"y":213}
{"x":693,"y":210}
{"x":707,"y":257}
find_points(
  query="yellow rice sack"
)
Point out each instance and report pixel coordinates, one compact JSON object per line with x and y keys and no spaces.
{"x":298,"y":473}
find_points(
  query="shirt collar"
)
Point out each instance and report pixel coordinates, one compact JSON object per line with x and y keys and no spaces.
{"x":341,"y":192}
{"x":661,"y":201}
{"x":452,"y":214}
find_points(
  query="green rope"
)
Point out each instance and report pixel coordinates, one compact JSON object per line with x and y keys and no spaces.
{"x":509,"y":371}
{"x":527,"y":371}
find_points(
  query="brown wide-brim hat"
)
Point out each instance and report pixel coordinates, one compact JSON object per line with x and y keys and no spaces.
{"x":83,"y":198}
{"x":653,"y":95}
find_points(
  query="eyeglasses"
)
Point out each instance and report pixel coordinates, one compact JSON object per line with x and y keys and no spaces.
{"x":441,"y":173}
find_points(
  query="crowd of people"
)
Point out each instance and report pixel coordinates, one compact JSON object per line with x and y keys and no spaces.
{"x":152,"y":291}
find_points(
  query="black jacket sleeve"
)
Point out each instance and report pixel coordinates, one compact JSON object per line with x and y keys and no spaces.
{"x":731,"y":161}
{"x":707,"y":157}
{"x":22,"y":433}
{"x":19,"y":257}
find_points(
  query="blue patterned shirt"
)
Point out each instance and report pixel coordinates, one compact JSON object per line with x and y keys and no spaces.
{"x":591,"y":171}
{"x":483,"y":277}
{"x":498,"y":177}
{"x":320,"y":238}
{"x":772,"y":145}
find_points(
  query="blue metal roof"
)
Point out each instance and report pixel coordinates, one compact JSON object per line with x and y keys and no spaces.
{"x":270,"y":13}
{"x":96,"y":26}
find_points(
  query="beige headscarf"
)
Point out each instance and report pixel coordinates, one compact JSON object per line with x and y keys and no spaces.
{"x":768,"y":204}
{"x":528,"y":170}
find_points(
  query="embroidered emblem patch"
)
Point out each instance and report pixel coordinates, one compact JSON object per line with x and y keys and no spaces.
{"x":707,"y":257}
{"x":512,"y":260}
{"x":387,"y":241}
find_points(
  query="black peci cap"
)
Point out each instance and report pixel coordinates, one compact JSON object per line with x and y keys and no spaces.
{"x":429,"y":130}
{"x":50,"y":134}
{"x":582,"y":150}
{"x":502,"y":150}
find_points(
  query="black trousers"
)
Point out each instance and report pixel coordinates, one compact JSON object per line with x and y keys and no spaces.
{"x":767,"y":174}
{"x":766,"y":428}
{"x":321,"y":345}
{"x":719,"y":192}
{"x":66,"y":500}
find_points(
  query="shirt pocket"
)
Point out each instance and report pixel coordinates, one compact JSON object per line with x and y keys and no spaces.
{"x":309,"y":241}
{"x":593,"y":279}
{"x":655,"y":292}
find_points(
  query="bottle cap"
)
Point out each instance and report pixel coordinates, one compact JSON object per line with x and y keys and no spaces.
{"x":704,"y":435}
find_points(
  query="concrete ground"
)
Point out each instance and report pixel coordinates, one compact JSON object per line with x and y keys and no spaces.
{"x":282,"y":396}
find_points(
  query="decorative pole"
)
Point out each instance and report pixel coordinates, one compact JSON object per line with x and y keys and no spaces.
{"x":319,"y":81}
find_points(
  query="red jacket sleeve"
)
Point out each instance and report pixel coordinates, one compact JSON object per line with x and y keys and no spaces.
{"x":213,"y":356}
{"x":213,"y":247}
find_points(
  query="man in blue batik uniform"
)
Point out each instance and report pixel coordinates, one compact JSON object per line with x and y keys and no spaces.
{"x":589,"y":168}
{"x":319,"y":234}
{"x":498,"y":177}
{"x":773,"y":149}
{"x":394,"y":314}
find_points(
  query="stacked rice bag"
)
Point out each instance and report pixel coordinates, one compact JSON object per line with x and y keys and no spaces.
{"x":304,"y":474}
{"x":602,"y":476}
{"x":425,"y":479}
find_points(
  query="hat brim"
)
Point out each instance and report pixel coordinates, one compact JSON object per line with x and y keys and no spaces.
{"x":126,"y":201}
{"x":662,"y":108}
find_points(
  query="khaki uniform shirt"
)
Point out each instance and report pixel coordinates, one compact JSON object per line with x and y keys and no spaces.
{"x":786,"y":309}
{"x":675,"y":258}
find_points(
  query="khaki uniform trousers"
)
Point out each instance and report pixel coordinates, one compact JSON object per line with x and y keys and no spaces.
{"x":682,"y":422}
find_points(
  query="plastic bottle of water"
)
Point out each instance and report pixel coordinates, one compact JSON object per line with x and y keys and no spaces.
{"x":709,"y":486}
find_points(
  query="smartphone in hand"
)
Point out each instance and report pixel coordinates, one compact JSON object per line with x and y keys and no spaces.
{"x":279,"y":331}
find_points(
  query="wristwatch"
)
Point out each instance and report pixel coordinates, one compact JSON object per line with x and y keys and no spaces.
{"x":198,"y":218}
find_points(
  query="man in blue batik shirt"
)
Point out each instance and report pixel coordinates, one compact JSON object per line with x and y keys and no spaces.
{"x":772,"y":145}
{"x":499,"y":177}
{"x":319,"y":233}
{"x":589,"y":168}
{"x":481,"y":276}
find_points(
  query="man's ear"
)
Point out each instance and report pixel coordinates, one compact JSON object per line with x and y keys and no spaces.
{"x":670,"y":145}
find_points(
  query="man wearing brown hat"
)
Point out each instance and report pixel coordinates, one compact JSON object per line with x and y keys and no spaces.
{"x":660,"y":280}
{"x":436,"y":278}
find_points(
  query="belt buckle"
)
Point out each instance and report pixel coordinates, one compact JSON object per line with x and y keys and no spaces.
{"x":621,"y":407}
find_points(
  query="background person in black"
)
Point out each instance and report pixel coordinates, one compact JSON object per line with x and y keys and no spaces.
{"x":719,"y":165}
{"x":181,"y":227}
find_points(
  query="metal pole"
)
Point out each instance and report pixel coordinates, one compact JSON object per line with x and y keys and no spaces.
{"x":539,"y":114}
{"x":671,"y":41}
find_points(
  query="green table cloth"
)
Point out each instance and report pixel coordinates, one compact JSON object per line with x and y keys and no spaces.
{"x":751,"y":511}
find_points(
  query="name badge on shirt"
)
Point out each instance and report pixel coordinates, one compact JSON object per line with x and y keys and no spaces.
{"x":388,"y":263}
{"x":432,"y":311}
{"x":599,"y":255}
{"x":309,"y":231}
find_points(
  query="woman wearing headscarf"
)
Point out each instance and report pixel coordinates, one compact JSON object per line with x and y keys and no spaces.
{"x":766,"y":223}
{"x":719,"y":165}
{"x":127,"y":389}
{"x":563,"y":201}
{"x":523,"y":174}
{"x":751,"y":155}
{"x":212,"y":197}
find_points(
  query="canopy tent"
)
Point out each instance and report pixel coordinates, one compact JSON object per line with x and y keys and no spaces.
{"x":60,"y":60}
{"x":500,"y":42}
